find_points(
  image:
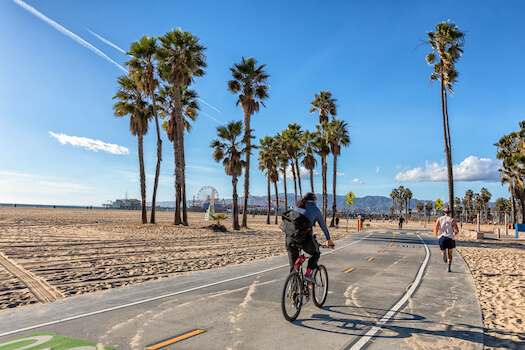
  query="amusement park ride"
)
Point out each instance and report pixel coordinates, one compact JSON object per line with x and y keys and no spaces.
{"x":209,"y":200}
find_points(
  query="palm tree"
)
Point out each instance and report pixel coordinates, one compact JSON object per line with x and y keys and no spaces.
{"x":447,"y":43}
{"x":326,"y":105}
{"x":400,"y":199}
{"x":428,"y":208}
{"x":142,"y":69}
{"x":308,"y":149}
{"x":338,"y":137}
{"x":181,"y":58}
{"x":250,"y":82}
{"x":268,"y":161}
{"x":132,"y":102}
{"x":420,"y":208}
{"x":291,"y":142}
{"x":282,"y":163}
{"x":322,"y":148}
{"x":485,"y":197}
{"x":501,"y":206}
{"x":228,"y":149}
{"x":469,"y":194}
{"x":408,"y":196}
{"x":394,"y":196}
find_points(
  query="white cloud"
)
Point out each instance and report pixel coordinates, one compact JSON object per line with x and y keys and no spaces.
{"x":357,"y":181}
{"x":305,"y":173}
{"x":67,"y":32}
{"x":377,"y":170}
{"x":340,"y":174}
{"x":90,"y":144}
{"x":470,"y":169}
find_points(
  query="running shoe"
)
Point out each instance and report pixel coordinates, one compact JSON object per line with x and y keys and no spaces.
{"x":309,"y":278}
{"x":445,"y":256}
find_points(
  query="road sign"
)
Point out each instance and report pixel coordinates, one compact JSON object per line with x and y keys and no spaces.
{"x":349,"y":202}
{"x":350,"y":196}
{"x":439,"y":204}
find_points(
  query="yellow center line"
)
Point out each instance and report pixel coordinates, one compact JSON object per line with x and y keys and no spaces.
{"x":370,"y":259}
{"x":381,"y":251}
{"x":349,"y":270}
{"x":174,"y":340}
{"x":392,"y":240}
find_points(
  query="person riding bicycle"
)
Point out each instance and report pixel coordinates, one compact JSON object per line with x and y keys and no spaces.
{"x":307,"y":207}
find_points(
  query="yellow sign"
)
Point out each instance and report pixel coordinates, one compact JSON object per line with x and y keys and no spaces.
{"x":349,"y":202}
{"x":350,"y":196}
{"x":439,"y":204}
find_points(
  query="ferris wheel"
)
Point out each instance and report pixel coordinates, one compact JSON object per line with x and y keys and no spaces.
{"x":208,"y":194}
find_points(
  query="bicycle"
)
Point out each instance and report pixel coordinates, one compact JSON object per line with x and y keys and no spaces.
{"x":296,"y":289}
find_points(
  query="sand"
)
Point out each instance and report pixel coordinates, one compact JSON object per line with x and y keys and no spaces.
{"x":48,"y":254}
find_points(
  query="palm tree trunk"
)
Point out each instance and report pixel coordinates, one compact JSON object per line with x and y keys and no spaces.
{"x":183,"y":180}
{"x":159,"y":159}
{"x":298,"y":177}
{"x":235,"y":204}
{"x":312,"y":180}
{"x":276,"y":202}
{"x":446,"y":135}
{"x":325,"y":191}
{"x":285,"y":190}
{"x":142,"y":179}
{"x":269,"y":201}
{"x":246,"y":168}
{"x":176,"y":219}
{"x":334,"y":200}
{"x":179,"y":129}
{"x":294,"y":180}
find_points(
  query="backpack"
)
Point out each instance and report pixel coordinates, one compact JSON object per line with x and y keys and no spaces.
{"x":295,"y":225}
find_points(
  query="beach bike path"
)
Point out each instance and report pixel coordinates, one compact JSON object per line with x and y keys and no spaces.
{"x":388,"y":289}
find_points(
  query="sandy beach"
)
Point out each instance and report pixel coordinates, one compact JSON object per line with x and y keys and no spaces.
{"x":47,"y":254}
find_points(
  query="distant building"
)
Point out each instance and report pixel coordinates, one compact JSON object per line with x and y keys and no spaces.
{"x":126,"y":204}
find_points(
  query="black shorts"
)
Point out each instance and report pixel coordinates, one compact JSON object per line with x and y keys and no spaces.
{"x":446,"y":243}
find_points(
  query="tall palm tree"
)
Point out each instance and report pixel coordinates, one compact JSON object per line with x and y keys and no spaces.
{"x":228,"y":149}
{"x":282,"y":160}
{"x":250,"y":82}
{"x":322,"y":148}
{"x":325,"y":104}
{"x":142,"y":69}
{"x":268,"y":161}
{"x":447,"y":43}
{"x":394,"y":196}
{"x":338,"y":137}
{"x":408,"y":196}
{"x":420,"y":208}
{"x":131,"y":101}
{"x":291,"y":141}
{"x":308,"y":149}
{"x":485,"y":197}
{"x":469,"y":194}
{"x":181,"y":58}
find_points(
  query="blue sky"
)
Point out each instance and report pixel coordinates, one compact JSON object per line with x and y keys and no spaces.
{"x":61,"y":143}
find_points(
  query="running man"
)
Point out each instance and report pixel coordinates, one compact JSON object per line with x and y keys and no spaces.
{"x":446,"y":228}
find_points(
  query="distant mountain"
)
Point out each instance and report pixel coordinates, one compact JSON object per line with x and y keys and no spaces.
{"x":370,"y":204}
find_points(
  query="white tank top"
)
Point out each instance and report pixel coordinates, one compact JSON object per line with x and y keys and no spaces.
{"x":445,"y":227}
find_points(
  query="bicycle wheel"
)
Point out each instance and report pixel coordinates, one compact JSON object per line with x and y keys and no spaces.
{"x":292,"y":298}
{"x":320,"y":289}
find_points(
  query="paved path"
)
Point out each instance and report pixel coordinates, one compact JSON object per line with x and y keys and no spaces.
{"x":388,"y":290}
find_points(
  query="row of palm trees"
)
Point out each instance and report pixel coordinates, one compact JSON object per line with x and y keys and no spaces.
{"x":403,"y":196}
{"x":160,"y":72}
{"x":285,"y":150}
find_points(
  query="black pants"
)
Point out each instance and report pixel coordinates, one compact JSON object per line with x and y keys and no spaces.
{"x":309,"y":245}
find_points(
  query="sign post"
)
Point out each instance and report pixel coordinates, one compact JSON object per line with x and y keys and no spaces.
{"x":350,"y":196}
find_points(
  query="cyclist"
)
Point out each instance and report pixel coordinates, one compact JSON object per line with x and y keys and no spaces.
{"x":308,"y":208}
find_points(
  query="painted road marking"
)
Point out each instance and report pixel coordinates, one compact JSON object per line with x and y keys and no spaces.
{"x":349,"y":270}
{"x":174,"y":340}
{"x":381,"y":251}
{"x":370,"y":259}
{"x":372,"y":331}
{"x":45,"y":340}
{"x":392,"y":240}
{"x":147,"y":300}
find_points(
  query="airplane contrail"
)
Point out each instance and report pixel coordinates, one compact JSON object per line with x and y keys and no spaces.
{"x":106,"y":41}
{"x":67,"y":32}
{"x":206,"y":103}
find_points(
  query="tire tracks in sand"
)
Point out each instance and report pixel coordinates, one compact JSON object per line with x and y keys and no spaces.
{"x":42,"y":290}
